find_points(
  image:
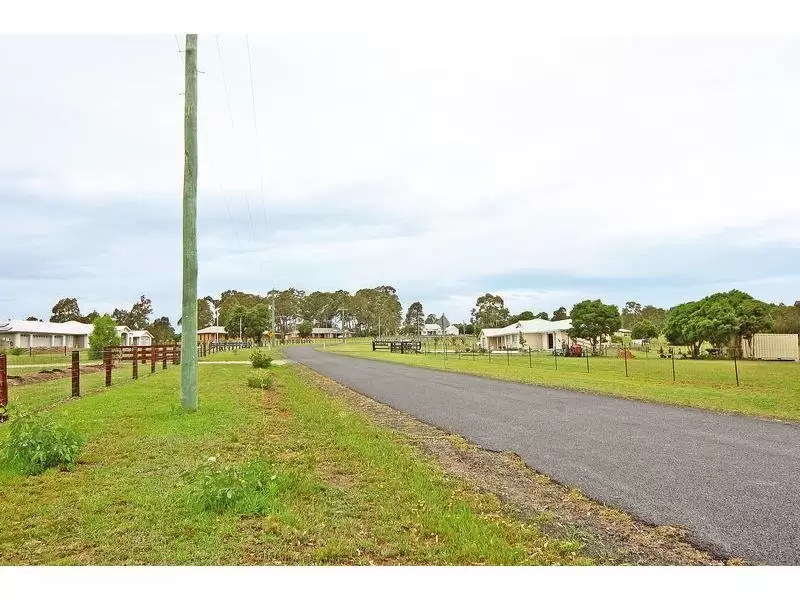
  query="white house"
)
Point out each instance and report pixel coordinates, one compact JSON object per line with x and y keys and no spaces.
{"x":328,"y":333}
{"x":538,"y":334}
{"x":38,"y":334}
{"x":431,"y":329}
{"x":451,"y":330}
{"x":131,"y":337}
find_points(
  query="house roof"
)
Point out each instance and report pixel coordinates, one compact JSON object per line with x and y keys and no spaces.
{"x":530,"y":326}
{"x":68,"y":328}
{"x":431,"y":326}
{"x":139,"y":333}
{"x":325,"y":330}
{"x":212,"y":329}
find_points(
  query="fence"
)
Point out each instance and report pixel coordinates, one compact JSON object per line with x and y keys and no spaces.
{"x":43,"y":385}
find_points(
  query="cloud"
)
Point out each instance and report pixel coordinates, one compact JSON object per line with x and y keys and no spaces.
{"x":550,"y":169}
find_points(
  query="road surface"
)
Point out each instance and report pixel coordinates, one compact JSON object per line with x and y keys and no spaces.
{"x":733,"y":482}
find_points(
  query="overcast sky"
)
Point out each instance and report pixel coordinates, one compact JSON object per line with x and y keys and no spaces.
{"x":548,"y":170}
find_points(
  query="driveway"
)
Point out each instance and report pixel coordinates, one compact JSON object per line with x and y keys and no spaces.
{"x":733,"y":482}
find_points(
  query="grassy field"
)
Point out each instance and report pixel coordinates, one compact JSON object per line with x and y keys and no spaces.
{"x":766,"y":389}
{"x":342,"y":491}
{"x":54,"y":358}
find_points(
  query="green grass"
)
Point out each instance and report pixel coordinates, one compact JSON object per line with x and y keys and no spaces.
{"x":243,"y":354}
{"x":345,"y":491}
{"x":54,"y":358}
{"x":766,"y":389}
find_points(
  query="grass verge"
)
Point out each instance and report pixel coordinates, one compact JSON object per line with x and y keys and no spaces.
{"x":345,"y":491}
{"x":766,"y":389}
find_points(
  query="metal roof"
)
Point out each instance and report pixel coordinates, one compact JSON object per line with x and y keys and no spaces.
{"x":213,"y":329}
{"x":531,"y":326}
{"x":68,"y":328}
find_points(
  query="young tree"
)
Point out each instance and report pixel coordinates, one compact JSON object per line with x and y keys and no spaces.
{"x":103,"y":335}
{"x":560,"y":314}
{"x":593,"y":320}
{"x":65,"y":310}
{"x":257,"y":320}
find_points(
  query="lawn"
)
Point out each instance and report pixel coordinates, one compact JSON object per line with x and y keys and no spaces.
{"x":766,"y":389}
{"x":342,"y":490}
{"x":51,"y":358}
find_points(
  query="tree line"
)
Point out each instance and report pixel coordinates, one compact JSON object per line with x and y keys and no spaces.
{"x":717,"y":319}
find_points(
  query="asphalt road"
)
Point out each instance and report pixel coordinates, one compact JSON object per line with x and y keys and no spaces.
{"x":734,"y":482}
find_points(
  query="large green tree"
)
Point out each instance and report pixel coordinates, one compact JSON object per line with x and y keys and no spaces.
{"x":65,"y":310}
{"x":644,"y":329}
{"x":593,"y":320}
{"x":560,"y":314}
{"x":489,"y":311}
{"x":162,"y":331}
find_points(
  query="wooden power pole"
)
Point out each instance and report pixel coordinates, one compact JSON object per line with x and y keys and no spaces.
{"x":189,"y":319}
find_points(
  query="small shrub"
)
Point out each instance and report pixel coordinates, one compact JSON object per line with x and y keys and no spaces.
{"x":253,"y":488}
{"x":35,"y":444}
{"x":263,"y":382}
{"x":15,"y":351}
{"x":260,"y":359}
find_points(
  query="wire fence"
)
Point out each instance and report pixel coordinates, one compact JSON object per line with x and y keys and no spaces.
{"x":27,"y":387}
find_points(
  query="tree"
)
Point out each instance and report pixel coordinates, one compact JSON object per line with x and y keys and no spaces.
{"x":257,"y":320}
{"x":205,"y":318}
{"x":162,"y":331}
{"x":786,"y":318}
{"x":525,"y":315}
{"x":415,"y":317}
{"x":541,"y":315}
{"x":32,"y":318}
{"x":489,"y":311}
{"x":644,"y":329}
{"x":592,"y":320}
{"x":630,"y":313}
{"x":233,"y":319}
{"x":139,"y":316}
{"x":655,"y":315}
{"x":682,"y":327}
{"x":65,"y":310}
{"x":560,"y":314}
{"x":305,"y":329}
{"x":431,"y":319}
{"x":103,"y":335}
{"x":90,"y":317}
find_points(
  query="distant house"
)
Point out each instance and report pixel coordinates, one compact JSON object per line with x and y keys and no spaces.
{"x":328,"y":333}
{"x":38,"y":334}
{"x":214,"y":333}
{"x":132,"y":337}
{"x":451,"y":330}
{"x":538,"y":334}
{"x":431,"y":329}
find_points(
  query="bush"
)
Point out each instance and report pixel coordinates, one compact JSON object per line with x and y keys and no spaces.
{"x":14,"y":351}
{"x":263,"y":382}
{"x":260,"y":359}
{"x":35,"y":444}
{"x":103,"y":335}
{"x":249,"y":489}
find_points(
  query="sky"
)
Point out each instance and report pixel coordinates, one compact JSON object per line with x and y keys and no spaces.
{"x":544,"y":169}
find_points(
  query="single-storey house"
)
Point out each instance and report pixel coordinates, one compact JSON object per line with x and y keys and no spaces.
{"x":538,"y":334}
{"x":328,"y":333}
{"x":131,"y":337}
{"x":38,"y":334}
{"x":214,"y":333}
{"x":431,"y":329}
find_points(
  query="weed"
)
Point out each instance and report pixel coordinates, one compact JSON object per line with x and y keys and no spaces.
{"x":263,"y":382}
{"x":260,"y":359}
{"x":36,"y":444}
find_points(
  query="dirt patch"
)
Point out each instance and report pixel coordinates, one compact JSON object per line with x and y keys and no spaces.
{"x":608,"y":535}
{"x":48,"y":374}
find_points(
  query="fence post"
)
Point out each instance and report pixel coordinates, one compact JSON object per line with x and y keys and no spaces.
{"x":107,"y":365}
{"x":135,"y":363}
{"x":555,"y":358}
{"x":672,"y":354}
{"x":530,"y":362}
{"x":508,"y":356}
{"x":152,"y":359}
{"x":736,"y":368}
{"x":625,"y":355}
{"x":3,"y":387}
{"x":163,"y":357}
{"x":587,"y":362}
{"x":76,"y":373}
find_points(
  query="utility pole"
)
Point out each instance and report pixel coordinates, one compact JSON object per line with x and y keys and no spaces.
{"x":189,"y":320}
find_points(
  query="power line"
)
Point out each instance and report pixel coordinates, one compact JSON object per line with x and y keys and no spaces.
{"x":255,"y":124}
{"x":233,"y":130}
